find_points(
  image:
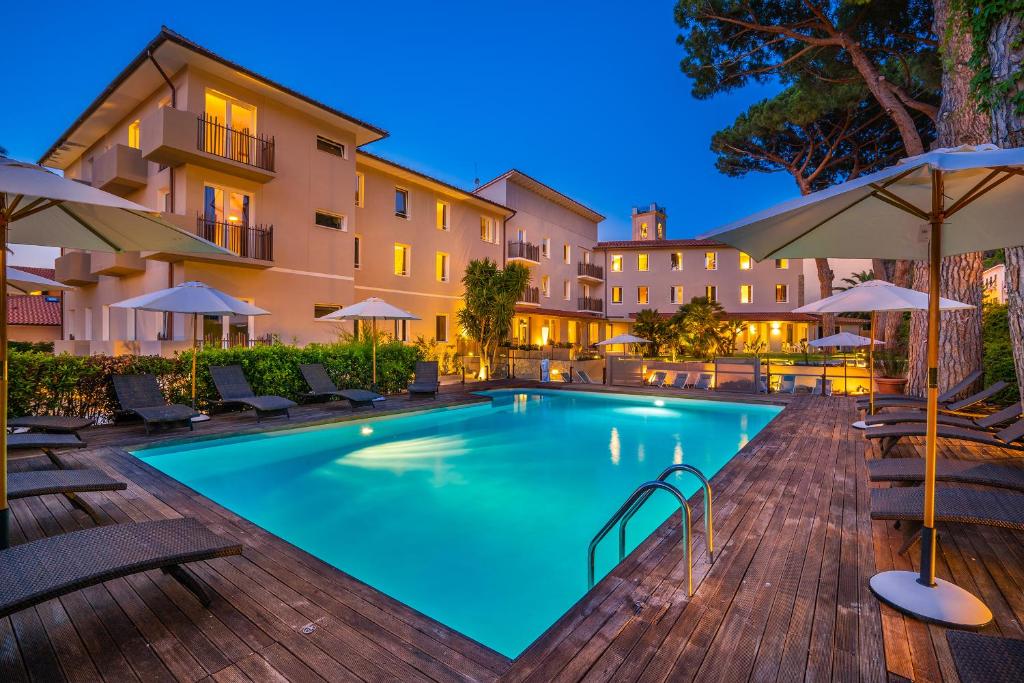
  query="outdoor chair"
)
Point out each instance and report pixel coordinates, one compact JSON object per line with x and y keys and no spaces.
{"x":234,"y":390}
{"x":68,"y":483}
{"x":426,"y":380}
{"x":704,"y":381}
{"x":787,"y":384}
{"x":657,"y":379}
{"x":1008,"y":437}
{"x":863,"y":402}
{"x":46,"y":443}
{"x":140,"y":395}
{"x":321,"y":386}
{"x":818,"y":391}
{"x":1006,"y":473}
{"x":50,"y":424}
{"x":583,"y":378}
{"x":57,"y":565}
{"x":1013,"y":411}
{"x":681,"y":380}
{"x":986,"y":659}
{"x":949,"y":407}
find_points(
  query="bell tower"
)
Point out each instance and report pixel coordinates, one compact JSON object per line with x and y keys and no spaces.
{"x":649,"y":223}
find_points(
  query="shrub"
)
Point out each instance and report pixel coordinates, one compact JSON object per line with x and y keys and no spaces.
{"x":447,"y":355}
{"x":997,"y":350}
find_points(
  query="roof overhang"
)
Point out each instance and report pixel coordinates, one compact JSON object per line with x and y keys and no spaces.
{"x":546,"y":191}
{"x":141,"y":78}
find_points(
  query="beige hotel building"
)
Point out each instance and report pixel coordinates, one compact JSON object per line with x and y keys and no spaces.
{"x":314,"y":222}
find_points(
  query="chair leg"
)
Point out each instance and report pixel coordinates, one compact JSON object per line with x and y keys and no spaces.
{"x":77,"y":501}
{"x":53,"y":458}
{"x":189,"y":581}
{"x":912,"y":536}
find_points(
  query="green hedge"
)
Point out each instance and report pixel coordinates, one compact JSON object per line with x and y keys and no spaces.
{"x":42,"y":383}
{"x":997,"y":350}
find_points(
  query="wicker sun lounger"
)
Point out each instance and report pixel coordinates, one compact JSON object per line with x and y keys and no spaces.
{"x":986,"y":659}
{"x":426,"y":379}
{"x":46,"y":443}
{"x":51,"y":424}
{"x":989,"y":422}
{"x":953,"y":504}
{"x":944,"y":397}
{"x":1007,"y":473}
{"x":234,"y":389}
{"x":904,"y":402}
{"x":1008,"y":437}
{"x":140,"y":395}
{"x":321,"y":386}
{"x":58,"y":565}
{"x":64,"y":482}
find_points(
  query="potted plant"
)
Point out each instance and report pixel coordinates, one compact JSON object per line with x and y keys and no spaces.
{"x":892,"y":368}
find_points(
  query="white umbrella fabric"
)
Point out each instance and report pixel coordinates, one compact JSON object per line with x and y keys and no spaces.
{"x":847,"y":339}
{"x":874,"y":296}
{"x":623,"y":339}
{"x":372,"y":309}
{"x":195,"y":298}
{"x":41,"y":208}
{"x":944,"y":202}
{"x":24,"y":282}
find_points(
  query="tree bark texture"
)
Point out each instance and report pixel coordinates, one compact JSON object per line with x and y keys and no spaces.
{"x":826,"y":279}
{"x":889,"y":323}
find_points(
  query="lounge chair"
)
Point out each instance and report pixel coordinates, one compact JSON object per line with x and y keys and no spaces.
{"x":704,"y":381}
{"x":817,"y":391}
{"x":50,"y":424}
{"x":140,"y":395}
{"x":787,"y":384}
{"x":657,"y":379}
{"x":1008,"y":437}
{"x":948,"y":407}
{"x":234,"y":390}
{"x":945,"y":397}
{"x":953,"y":504}
{"x":321,"y":386}
{"x":999,"y":473}
{"x":426,"y":379}
{"x":68,"y":483}
{"x":58,"y":565}
{"x":46,"y":443}
{"x":583,"y":378}
{"x":989,"y":422}
{"x":681,"y":380}
{"x":986,"y":659}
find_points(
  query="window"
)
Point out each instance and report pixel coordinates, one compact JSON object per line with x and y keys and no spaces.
{"x":746,"y":294}
{"x":325,"y":219}
{"x":163,"y":200}
{"x":566,"y":253}
{"x":320,"y":310}
{"x":782,"y":263}
{"x":105,"y":323}
{"x":643,"y":231}
{"x":402,"y":330}
{"x":711,"y":260}
{"x":545,"y":246}
{"x":641,"y":295}
{"x":443,"y":215}
{"x":642,"y":262}
{"x":711,"y":293}
{"x":235,"y":115}
{"x":545,"y":285}
{"x":660,"y":230}
{"x":488,"y":229}
{"x":677,"y":260}
{"x":441,"y":328}
{"x":360,"y":188}
{"x":781,"y":294}
{"x":441,"y":266}
{"x":401,"y":203}
{"x":224,"y":211}
{"x":745,"y":262}
{"x":402,"y":253}
{"x":676,"y":294}
{"x":566,"y":290}
{"x":330,"y":146}
{"x":616,"y":295}
{"x":358,"y":251}
{"x":617,"y":263}
{"x":134,"y":140}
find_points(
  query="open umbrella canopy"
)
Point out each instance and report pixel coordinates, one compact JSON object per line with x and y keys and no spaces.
{"x":878,"y":295}
{"x":370,"y":309}
{"x":843,"y":339}
{"x":191,"y":297}
{"x":623,"y":339}
{"x":23,"y":282}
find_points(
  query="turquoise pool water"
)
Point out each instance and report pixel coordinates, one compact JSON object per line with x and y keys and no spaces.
{"x":478,"y":516}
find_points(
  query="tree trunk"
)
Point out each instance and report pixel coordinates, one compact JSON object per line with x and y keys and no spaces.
{"x":890,"y":103}
{"x":960,"y":122}
{"x":826,"y":278}
{"x":1006,"y":59}
{"x":902,"y":276}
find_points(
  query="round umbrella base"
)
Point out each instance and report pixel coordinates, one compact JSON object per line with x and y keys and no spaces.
{"x":944,"y":603}
{"x":861,"y":424}
{"x":200,"y":418}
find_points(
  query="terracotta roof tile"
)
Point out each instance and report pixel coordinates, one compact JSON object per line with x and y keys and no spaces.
{"x":33,"y":310}
{"x":658,"y":244}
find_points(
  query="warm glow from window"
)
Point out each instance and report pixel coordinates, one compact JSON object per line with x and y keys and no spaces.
{"x":746,"y":294}
{"x":641,"y":261}
{"x":677,"y":294}
{"x":442,"y":215}
{"x":134,"y":140}
{"x":566,"y":253}
{"x":781,"y":294}
{"x":545,"y":285}
{"x":641,"y":295}
{"x":441,"y":267}
{"x":677,"y":260}
{"x":643,"y":231}
{"x":488,"y":229}
{"x":360,"y":188}
{"x":745,"y":262}
{"x":782,"y":263}
{"x":616,"y":295}
{"x":402,"y":259}
{"x":711,"y":292}
{"x":617,"y":263}
{"x":711,"y":260}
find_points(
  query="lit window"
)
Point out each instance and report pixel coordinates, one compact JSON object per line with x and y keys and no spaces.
{"x":616,"y":295}
{"x":641,"y":262}
{"x":661,"y":230}
{"x":643,"y":231}
{"x":782,"y":263}
{"x":746,"y":294}
{"x":441,"y":266}
{"x":320,"y":310}
{"x":402,"y":252}
{"x":711,"y":260}
{"x":360,"y":188}
{"x":641,"y":295}
{"x":357,"y":255}
{"x":676,"y":294}
{"x":745,"y":262}
{"x":566,"y":253}
{"x":134,"y":140}
{"x":441,"y":328}
{"x":402,"y":330}
{"x":401,"y":203}
{"x":545,"y":285}
{"x":326,"y":219}
{"x":545,"y":247}
{"x":566,"y":290}
{"x":711,"y":293}
{"x":488,"y":229}
{"x":677,"y":260}
{"x":330,"y":146}
{"x":781,"y":294}
{"x":443,"y":209}
{"x":617,"y":263}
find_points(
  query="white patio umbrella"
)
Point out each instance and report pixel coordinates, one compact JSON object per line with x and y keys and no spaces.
{"x":373,"y":309}
{"x":943,"y":202}
{"x":846,"y":339}
{"x":195,"y":298}
{"x":623,"y":339}
{"x":24,"y":282}
{"x":41,"y":208}
{"x":874,"y":296}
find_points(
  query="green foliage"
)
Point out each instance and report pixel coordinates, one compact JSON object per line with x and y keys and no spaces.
{"x":997,"y":349}
{"x":45,"y":346}
{"x":892,"y":364}
{"x":981,"y":16}
{"x":701,"y":326}
{"x":994,"y":258}
{"x":490,"y":303}
{"x":854,"y":280}
{"x":650,"y":325}
{"x":446,"y":355}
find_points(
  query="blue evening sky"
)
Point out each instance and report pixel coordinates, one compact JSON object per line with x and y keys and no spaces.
{"x":585,"y":96}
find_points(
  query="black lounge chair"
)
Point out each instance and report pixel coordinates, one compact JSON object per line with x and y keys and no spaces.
{"x":58,"y":565}
{"x":989,"y":422}
{"x":1008,"y":437}
{"x":426,"y":381}
{"x":68,"y":483}
{"x":234,"y":389}
{"x":947,"y":396}
{"x":986,"y":659}
{"x":1004,"y":473}
{"x":46,"y":443}
{"x":948,"y":407}
{"x":321,"y":386}
{"x":140,"y":395}
{"x":50,"y":424}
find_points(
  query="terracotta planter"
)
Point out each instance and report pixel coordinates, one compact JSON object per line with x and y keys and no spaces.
{"x":891,"y":385}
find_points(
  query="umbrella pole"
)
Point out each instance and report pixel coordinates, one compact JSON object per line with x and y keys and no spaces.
{"x":195,"y":351}
{"x":871,"y":366}
{"x":5,"y":513}
{"x":374,"y":353}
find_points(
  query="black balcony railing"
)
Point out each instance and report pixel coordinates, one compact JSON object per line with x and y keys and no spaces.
{"x":587,"y":303}
{"x":531,"y":295}
{"x":524,"y":250}
{"x":590,"y":270}
{"x":238,"y":145}
{"x":248,"y":241}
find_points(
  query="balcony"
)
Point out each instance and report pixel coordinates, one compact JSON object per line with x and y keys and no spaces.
{"x":247,"y":241}
{"x":590,"y":305}
{"x":590,"y":272}
{"x":74,"y":268}
{"x":118,"y":264}
{"x":173,"y":136}
{"x":523,"y":251}
{"x":530,"y":297}
{"x":119,"y":170}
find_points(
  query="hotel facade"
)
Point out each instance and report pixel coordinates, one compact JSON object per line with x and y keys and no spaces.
{"x":315,"y":221}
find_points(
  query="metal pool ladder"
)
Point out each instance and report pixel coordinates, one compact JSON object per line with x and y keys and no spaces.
{"x":636,"y":501}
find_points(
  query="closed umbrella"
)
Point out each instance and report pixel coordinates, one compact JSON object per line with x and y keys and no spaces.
{"x":873,"y":296}
{"x":944,"y":202}
{"x":195,"y":298}
{"x":41,"y":208}
{"x":851,"y":340}
{"x":372,"y":309}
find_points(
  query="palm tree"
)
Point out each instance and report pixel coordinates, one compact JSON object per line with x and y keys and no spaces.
{"x":653,"y":327}
{"x":854,"y":280}
{"x":701,"y":324}
{"x":490,"y":300}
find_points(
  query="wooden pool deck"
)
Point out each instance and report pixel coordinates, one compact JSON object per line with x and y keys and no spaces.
{"x":786,"y":598}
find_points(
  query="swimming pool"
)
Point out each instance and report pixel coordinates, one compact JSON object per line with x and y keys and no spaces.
{"x":478,"y":516}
